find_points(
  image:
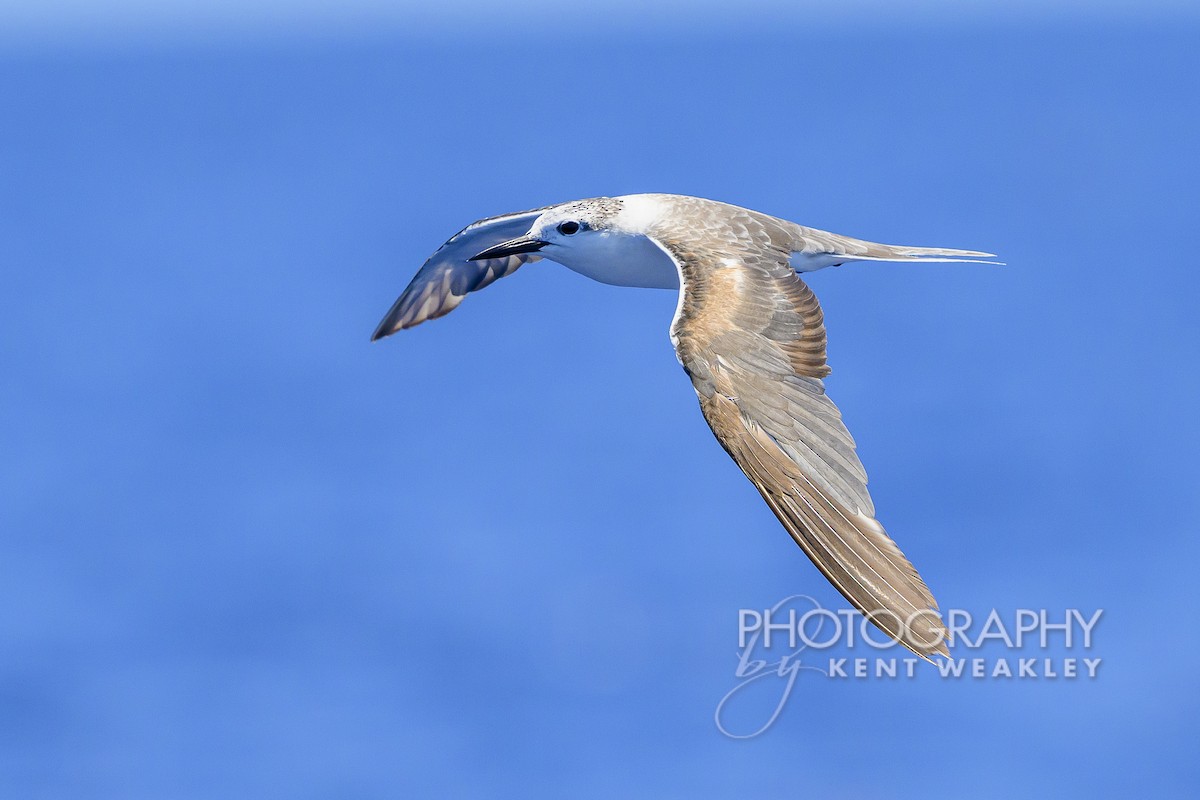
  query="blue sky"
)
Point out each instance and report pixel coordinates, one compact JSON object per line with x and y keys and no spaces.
{"x":137,"y":21}
{"x":245,"y":552}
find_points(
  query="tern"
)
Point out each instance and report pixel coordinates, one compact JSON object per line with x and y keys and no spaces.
{"x":751,"y":336}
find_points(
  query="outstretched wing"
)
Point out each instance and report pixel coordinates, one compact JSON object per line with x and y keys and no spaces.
{"x":447,"y":277}
{"x":750,"y":334}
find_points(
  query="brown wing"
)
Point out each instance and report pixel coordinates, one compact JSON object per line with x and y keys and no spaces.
{"x":751,"y":336}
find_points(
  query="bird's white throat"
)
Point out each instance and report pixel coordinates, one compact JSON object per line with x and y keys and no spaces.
{"x":618,"y":259}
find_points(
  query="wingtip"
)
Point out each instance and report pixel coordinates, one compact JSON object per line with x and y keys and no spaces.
{"x":384,"y":330}
{"x":396,"y":319}
{"x":941,"y":651}
{"x":931,"y":643}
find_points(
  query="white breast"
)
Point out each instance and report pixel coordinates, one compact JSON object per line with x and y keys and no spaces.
{"x":619,"y":259}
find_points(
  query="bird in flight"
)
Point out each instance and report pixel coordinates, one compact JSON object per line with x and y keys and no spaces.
{"x":750,"y":335}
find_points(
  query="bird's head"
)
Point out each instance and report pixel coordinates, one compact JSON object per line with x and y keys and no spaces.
{"x":564,"y":231}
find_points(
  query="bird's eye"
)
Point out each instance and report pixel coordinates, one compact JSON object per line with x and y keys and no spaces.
{"x":568,"y":228}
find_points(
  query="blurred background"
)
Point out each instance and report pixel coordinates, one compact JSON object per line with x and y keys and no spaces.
{"x":245,"y":553}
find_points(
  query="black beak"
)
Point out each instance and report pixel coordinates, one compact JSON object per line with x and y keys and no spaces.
{"x":513,"y":247}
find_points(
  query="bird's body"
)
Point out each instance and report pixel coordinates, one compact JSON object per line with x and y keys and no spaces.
{"x":750,"y":335}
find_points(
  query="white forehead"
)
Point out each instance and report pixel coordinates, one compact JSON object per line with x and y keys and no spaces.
{"x":631,"y":213}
